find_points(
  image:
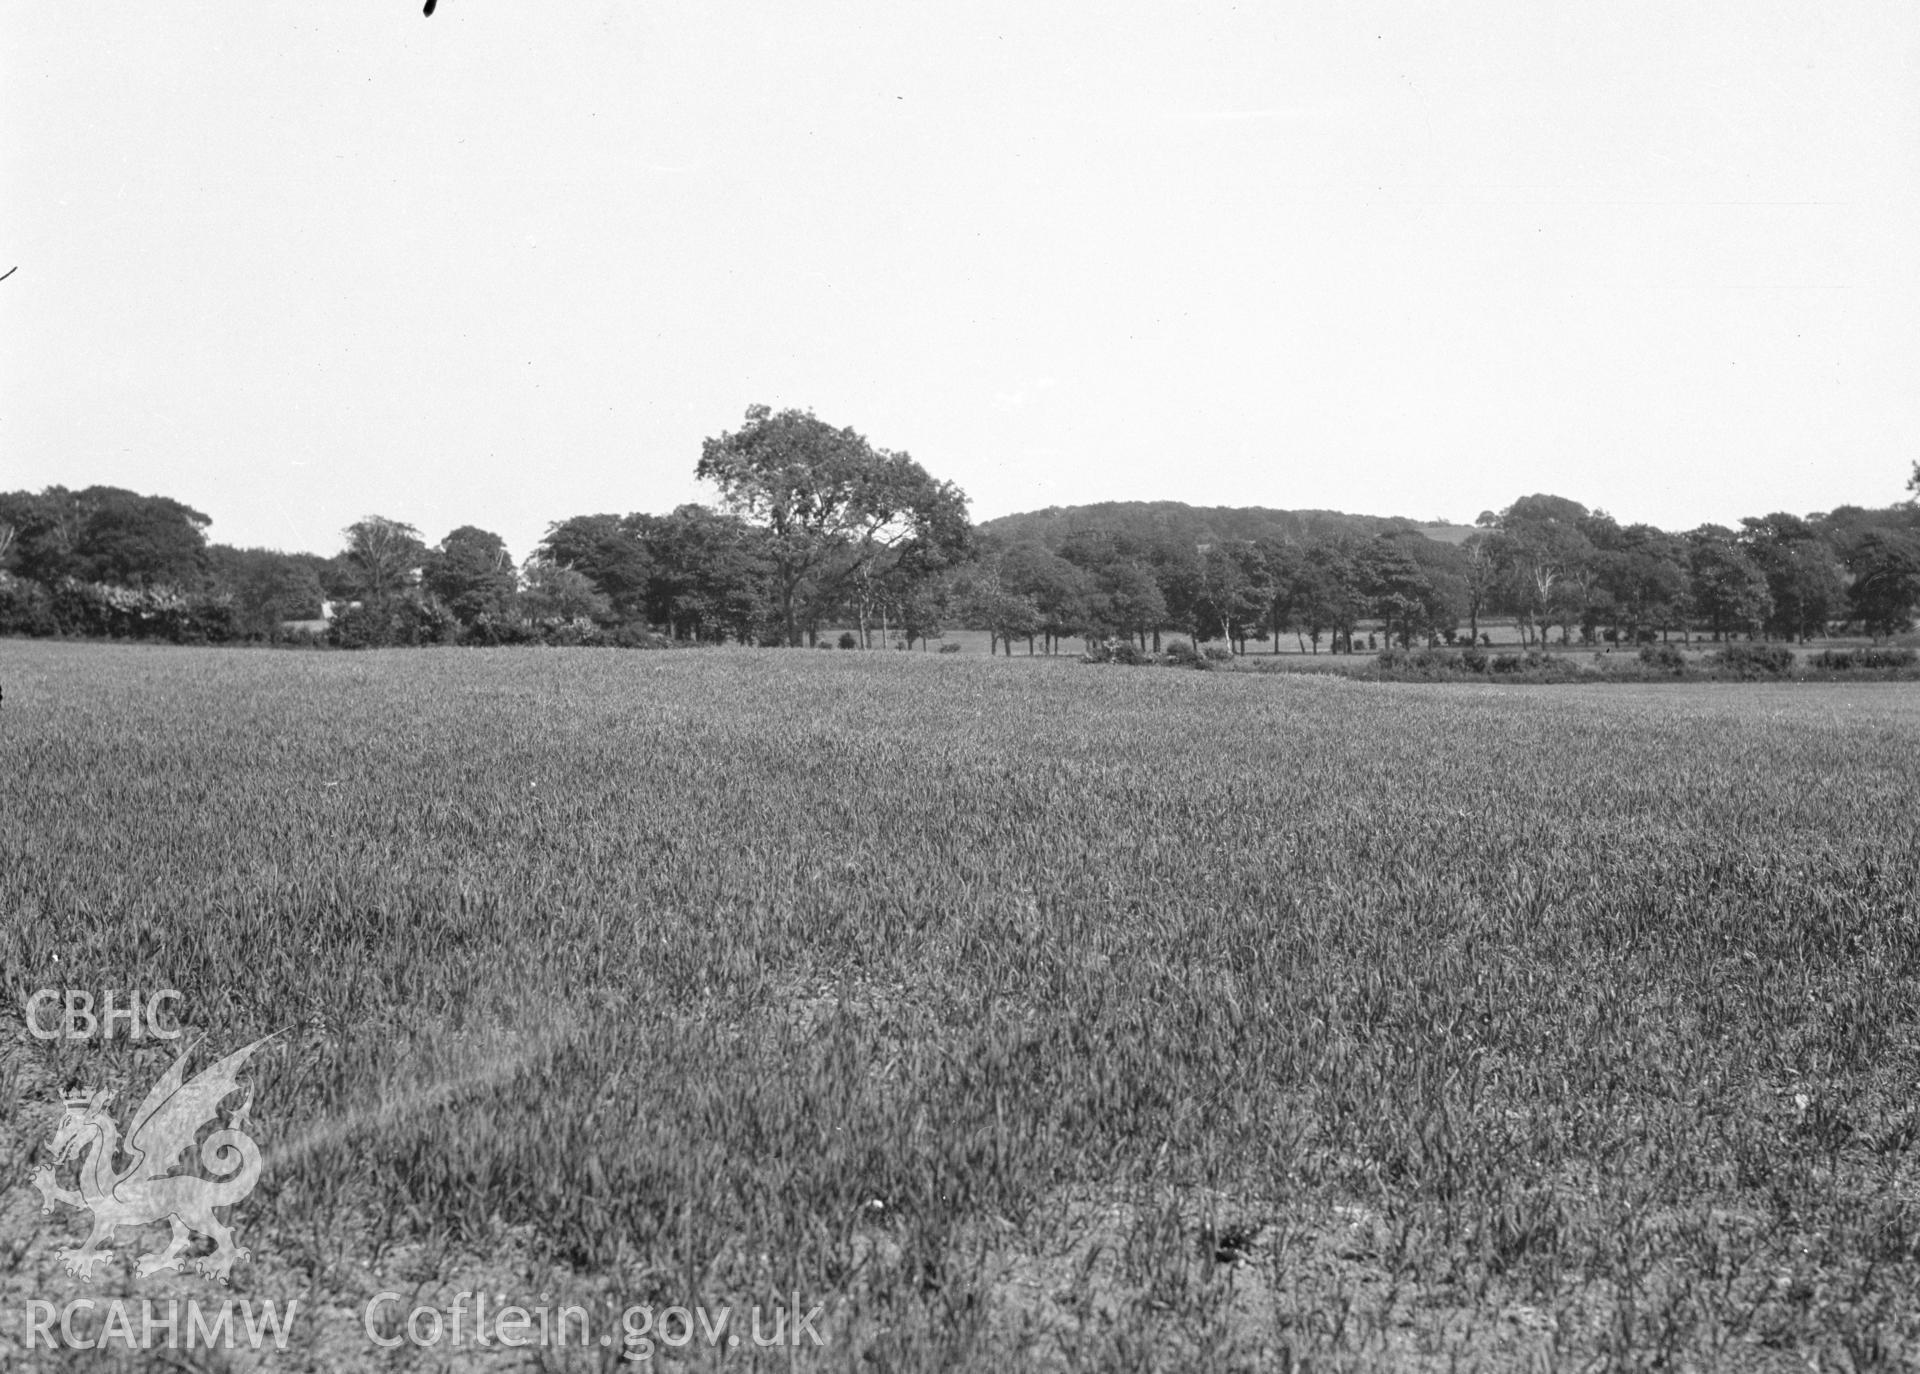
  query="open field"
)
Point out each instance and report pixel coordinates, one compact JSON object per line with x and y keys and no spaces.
{"x":1017,"y":1015}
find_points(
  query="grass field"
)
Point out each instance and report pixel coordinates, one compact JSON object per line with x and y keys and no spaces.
{"x":1018,"y":1015}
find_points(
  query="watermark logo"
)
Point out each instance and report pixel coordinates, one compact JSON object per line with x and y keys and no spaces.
{"x":142,"y":1326}
{"x":642,"y":1332}
{"x":164,"y":1128}
{"x":78,"y":1020}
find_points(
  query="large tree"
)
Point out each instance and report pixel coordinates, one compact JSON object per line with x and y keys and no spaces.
{"x":1006,"y":613}
{"x":1125,"y":597}
{"x":1329,"y":598}
{"x":1646,"y":579}
{"x":104,"y":534}
{"x":924,"y":609}
{"x":1057,"y":589}
{"x":1546,"y":548}
{"x":383,"y":558}
{"x":610,"y":551}
{"x":707,"y":573}
{"x":266,"y":587}
{"x":1285,"y":566}
{"x":1480,"y":578}
{"x":473,"y":574}
{"x":1805,"y":579}
{"x":830,"y":503}
{"x":553,"y":592}
{"x":1411,"y":585}
{"x":47,"y":532}
{"x":1886,"y":583}
{"x":141,"y":541}
{"x":1729,"y":591}
{"x":1238,"y":586}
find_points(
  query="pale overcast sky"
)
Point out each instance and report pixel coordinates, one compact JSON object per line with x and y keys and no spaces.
{"x":297,"y":263}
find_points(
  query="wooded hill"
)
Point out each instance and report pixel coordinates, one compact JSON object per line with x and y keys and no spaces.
{"x":1177,"y":523}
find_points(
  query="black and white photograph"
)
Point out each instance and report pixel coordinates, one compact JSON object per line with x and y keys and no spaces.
{"x":1212,"y":687}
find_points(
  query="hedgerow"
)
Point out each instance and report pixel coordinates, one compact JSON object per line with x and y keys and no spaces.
{"x":1430,"y":664}
{"x":101,"y":611}
{"x":1869,"y":659}
{"x":1751,"y":660}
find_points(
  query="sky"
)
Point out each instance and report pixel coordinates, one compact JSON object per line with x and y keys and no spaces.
{"x":297,"y":263}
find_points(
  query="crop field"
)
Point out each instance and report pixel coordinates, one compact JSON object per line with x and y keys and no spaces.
{"x":1013,"y":1014}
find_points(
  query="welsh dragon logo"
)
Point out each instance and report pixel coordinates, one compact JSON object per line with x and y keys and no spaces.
{"x":147,"y":1191}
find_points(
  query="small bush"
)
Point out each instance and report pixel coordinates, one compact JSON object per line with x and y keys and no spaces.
{"x":847,"y":640}
{"x":1664,"y":658}
{"x":1181,"y":654}
{"x":1422,"y":662}
{"x":1123,"y":651}
{"x":490,"y":632}
{"x":1474,"y":660}
{"x":576,"y":633}
{"x":1532,"y":663}
{"x":949,"y":648}
{"x":1755,"y":660}
{"x":638,"y":637}
{"x":1218,"y":653}
{"x":25,"y":608}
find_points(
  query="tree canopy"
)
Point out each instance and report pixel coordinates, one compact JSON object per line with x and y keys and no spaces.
{"x":103,"y":534}
{"x":828,"y":503}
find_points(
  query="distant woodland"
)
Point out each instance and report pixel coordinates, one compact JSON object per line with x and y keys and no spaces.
{"x":815,"y":531}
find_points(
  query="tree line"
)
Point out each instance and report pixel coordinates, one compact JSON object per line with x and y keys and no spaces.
{"x":814,"y":527}
{"x":1556,"y":569}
